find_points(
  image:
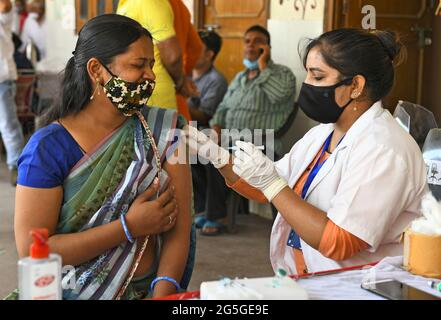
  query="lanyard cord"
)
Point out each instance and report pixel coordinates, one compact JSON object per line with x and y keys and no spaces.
{"x":316,"y":169}
{"x":318,"y":165}
{"x":294,"y":239}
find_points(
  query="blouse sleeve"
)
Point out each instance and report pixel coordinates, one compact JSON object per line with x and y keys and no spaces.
{"x":339,"y":244}
{"x":247,"y":191}
{"x":46,"y":161}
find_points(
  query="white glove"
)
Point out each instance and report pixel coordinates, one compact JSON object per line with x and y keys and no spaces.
{"x":206,"y":148}
{"x":257,"y":170}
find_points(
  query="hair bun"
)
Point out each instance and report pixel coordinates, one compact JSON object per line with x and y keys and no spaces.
{"x":391,"y":43}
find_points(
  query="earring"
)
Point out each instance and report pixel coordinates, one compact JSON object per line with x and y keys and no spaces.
{"x":355,"y":96}
{"x":98,"y":85}
{"x":355,"y":107}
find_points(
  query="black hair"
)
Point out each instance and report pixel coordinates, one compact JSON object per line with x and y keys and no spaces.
{"x":353,"y":52}
{"x":212,"y":40}
{"x":103,"y":38}
{"x":262,"y":30}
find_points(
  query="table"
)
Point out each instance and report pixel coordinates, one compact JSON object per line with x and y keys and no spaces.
{"x":344,"y":284}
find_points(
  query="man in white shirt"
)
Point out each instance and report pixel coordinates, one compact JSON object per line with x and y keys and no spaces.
{"x":10,"y":128}
{"x":34,"y":30}
{"x":19,"y":16}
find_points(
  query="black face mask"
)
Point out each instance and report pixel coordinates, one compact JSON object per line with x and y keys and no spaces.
{"x":318,"y":103}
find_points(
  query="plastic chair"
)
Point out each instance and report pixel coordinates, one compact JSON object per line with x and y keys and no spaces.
{"x":25,"y":86}
{"x":235,"y":202}
{"x":432,"y":157}
{"x":416,"y":120}
{"x":48,"y":89}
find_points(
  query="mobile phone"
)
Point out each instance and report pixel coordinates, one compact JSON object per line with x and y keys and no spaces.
{"x":395,"y":290}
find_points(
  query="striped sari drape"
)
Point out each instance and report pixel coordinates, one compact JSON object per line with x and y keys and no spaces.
{"x":101,"y":187}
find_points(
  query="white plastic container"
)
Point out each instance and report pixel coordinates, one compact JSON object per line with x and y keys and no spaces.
{"x":39,"y":276}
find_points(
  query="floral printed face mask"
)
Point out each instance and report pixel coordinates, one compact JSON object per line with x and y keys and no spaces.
{"x":128,"y":97}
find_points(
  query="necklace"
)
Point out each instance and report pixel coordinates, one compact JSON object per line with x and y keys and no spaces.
{"x":146,"y":239}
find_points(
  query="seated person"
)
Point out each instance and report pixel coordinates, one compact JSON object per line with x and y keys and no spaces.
{"x":260,"y":97}
{"x":210,"y":191}
{"x":35,"y":28}
{"x":20,"y":58}
{"x":98,"y":179}
{"x":19,"y":17}
{"x":211,"y":84}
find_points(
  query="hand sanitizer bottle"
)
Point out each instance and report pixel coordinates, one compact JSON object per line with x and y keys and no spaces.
{"x":39,"y":276}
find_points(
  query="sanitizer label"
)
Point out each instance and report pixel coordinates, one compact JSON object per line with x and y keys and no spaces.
{"x":45,"y":282}
{"x":433,"y":172}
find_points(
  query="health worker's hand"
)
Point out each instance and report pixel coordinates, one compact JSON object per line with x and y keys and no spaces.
{"x":206,"y":148}
{"x":257,"y":170}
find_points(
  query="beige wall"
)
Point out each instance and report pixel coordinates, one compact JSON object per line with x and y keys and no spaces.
{"x":288,"y":28}
{"x":294,"y":10}
{"x":60,"y":15}
{"x":190,"y":6}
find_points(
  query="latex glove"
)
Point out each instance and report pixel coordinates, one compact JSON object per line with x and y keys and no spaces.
{"x":206,"y":148}
{"x":257,"y":170}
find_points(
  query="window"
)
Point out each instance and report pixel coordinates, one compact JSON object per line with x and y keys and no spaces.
{"x":88,"y":9}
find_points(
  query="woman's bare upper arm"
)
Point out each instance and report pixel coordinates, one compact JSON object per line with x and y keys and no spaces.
{"x":180,"y":175}
{"x":35,"y":208}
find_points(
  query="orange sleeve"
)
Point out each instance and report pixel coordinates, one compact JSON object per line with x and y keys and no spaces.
{"x":338,"y":244}
{"x":247,"y":191}
{"x":183,"y":107}
{"x":193,"y":49}
{"x":189,"y":40}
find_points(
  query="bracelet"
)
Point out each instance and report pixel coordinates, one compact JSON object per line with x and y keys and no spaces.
{"x":173,"y":281}
{"x":126,"y":229}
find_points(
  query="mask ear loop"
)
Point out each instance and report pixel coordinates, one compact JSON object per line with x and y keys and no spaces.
{"x":108,"y":70}
{"x":345,"y":82}
{"x":98,"y":84}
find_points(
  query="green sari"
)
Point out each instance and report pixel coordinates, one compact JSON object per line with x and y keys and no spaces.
{"x":99,"y":189}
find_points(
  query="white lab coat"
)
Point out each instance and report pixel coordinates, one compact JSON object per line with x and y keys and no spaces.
{"x":8,"y":70}
{"x":36,"y":33}
{"x":371,"y":186}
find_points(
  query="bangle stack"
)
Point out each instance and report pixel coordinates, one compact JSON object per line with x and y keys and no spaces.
{"x":126,"y":229}
{"x":171,"y":280}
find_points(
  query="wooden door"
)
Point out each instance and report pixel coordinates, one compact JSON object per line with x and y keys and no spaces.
{"x":231,"y":19}
{"x":87,"y":9}
{"x":412,"y":20}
